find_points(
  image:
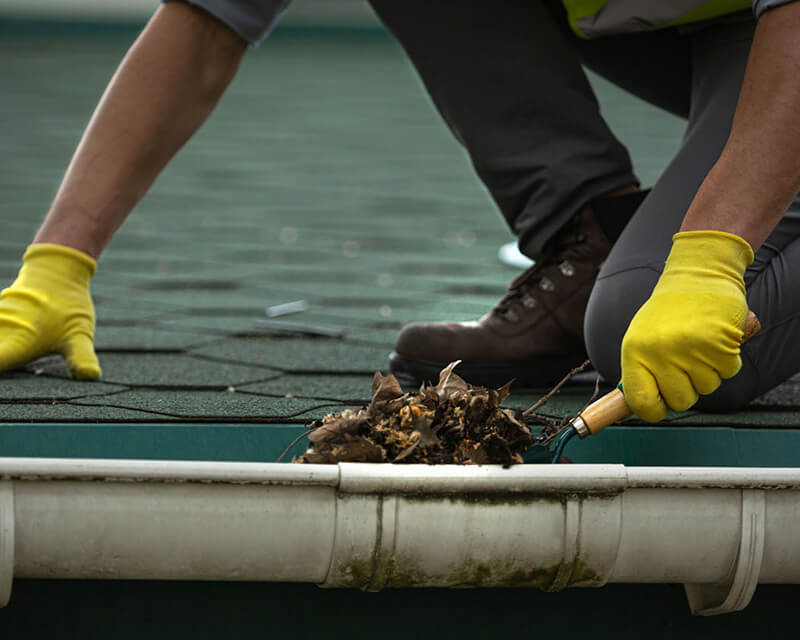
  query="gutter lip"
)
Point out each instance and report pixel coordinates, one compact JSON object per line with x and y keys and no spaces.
{"x":167,"y":471}
{"x":455,"y":479}
{"x":713,"y":477}
{"x":354,"y":477}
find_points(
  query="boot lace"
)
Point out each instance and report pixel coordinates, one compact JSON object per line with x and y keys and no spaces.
{"x":521,"y":290}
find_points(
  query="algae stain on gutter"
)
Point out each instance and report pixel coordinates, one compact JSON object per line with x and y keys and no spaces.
{"x":396,"y":570}
{"x":405,"y":572}
{"x":506,"y":498}
{"x":510,"y":573}
{"x":360,"y":573}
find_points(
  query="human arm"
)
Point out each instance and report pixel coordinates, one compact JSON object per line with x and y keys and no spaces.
{"x":758,"y":172}
{"x":164,"y":89}
{"x":684,"y":339}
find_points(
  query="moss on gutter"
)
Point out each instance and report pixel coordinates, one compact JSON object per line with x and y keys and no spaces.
{"x":505,"y":498}
{"x":510,"y":574}
{"x":404,"y":571}
{"x":386,"y":569}
{"x":361,"y":573}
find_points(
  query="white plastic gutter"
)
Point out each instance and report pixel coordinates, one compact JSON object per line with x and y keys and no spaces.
{"x":720,"y":531}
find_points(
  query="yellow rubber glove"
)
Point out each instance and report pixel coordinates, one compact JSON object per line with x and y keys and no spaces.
{"x":685,"y":339}
{"x":48,"y":309}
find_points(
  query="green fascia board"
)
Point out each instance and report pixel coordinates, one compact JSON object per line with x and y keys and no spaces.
{"x":689,"y":446}
{"x":214,"y":442}
{"x":632,"y":446}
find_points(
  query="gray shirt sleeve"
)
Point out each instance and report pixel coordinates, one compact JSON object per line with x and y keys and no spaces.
{"x":760,"y":6}
{"x":251,"y":19}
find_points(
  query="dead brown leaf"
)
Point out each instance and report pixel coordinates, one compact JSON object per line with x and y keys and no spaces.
{"x":346,"y":423}
{"x":358,"y":449}
{"x":449,"y":382}
{"x":450,"y":423}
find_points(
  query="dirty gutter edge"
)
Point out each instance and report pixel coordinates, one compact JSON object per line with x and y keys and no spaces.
{"x":385,"y":478}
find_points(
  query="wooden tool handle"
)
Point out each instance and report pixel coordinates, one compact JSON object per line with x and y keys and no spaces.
{"x":751,"y":326}
{"x":607,"y":410}
{"x":612,"y":407}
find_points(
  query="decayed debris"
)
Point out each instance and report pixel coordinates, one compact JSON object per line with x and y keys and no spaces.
{"x":449,"y":423}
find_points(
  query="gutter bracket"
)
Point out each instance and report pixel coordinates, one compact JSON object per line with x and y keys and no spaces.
{"x":712,"y":599}
{"x":6,"y":540}
{"x":384,"y":553}
{"x":572,"y":526}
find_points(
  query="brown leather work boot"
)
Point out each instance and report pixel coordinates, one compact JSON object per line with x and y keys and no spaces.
{"x":535,"y":333}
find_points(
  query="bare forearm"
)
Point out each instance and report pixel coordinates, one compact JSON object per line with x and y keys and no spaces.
{"x":758,"y":173}
{"x":163,"y":91}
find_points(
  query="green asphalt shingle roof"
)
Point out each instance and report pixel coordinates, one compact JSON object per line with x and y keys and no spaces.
{"x":326,"y":176}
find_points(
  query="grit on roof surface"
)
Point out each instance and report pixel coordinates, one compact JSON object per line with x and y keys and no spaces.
{"x":324,"y":176}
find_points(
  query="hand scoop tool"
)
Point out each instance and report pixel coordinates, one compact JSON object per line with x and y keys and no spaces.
{"x":606,"y":411}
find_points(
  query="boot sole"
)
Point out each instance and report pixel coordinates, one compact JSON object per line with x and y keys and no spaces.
{"x":541,"y":372}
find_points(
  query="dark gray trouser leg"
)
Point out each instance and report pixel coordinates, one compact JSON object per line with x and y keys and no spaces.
{"x":718,"y":56}
{"x":507,"y":84}
{"x":507,"y":79}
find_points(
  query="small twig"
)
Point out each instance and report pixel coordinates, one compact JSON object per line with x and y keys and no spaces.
{"x":543,"y":400}
{"x":567,"y":422}
{"x":543,"y":419}
{"x":294,"y":442}
{"x":547,"y":436}
{"x":595,"y":393}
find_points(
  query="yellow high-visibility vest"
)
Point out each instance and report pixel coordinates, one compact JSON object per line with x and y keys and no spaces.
{"x":592,"y":18}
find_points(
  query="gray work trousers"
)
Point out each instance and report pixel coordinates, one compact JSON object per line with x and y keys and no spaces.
{"x":508,"y":80}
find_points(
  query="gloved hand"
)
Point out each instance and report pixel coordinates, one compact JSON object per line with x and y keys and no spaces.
{"x":685,"y":339}
{"x":48,"y":309}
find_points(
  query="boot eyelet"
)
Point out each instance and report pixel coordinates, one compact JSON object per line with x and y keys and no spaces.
{"x":546,"y":284}
{"x":510,"y":315}
{"x":528,"y":301}
{"x":566,"y":269}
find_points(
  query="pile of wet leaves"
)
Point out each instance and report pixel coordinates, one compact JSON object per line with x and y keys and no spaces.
{"x":451,"y":422}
